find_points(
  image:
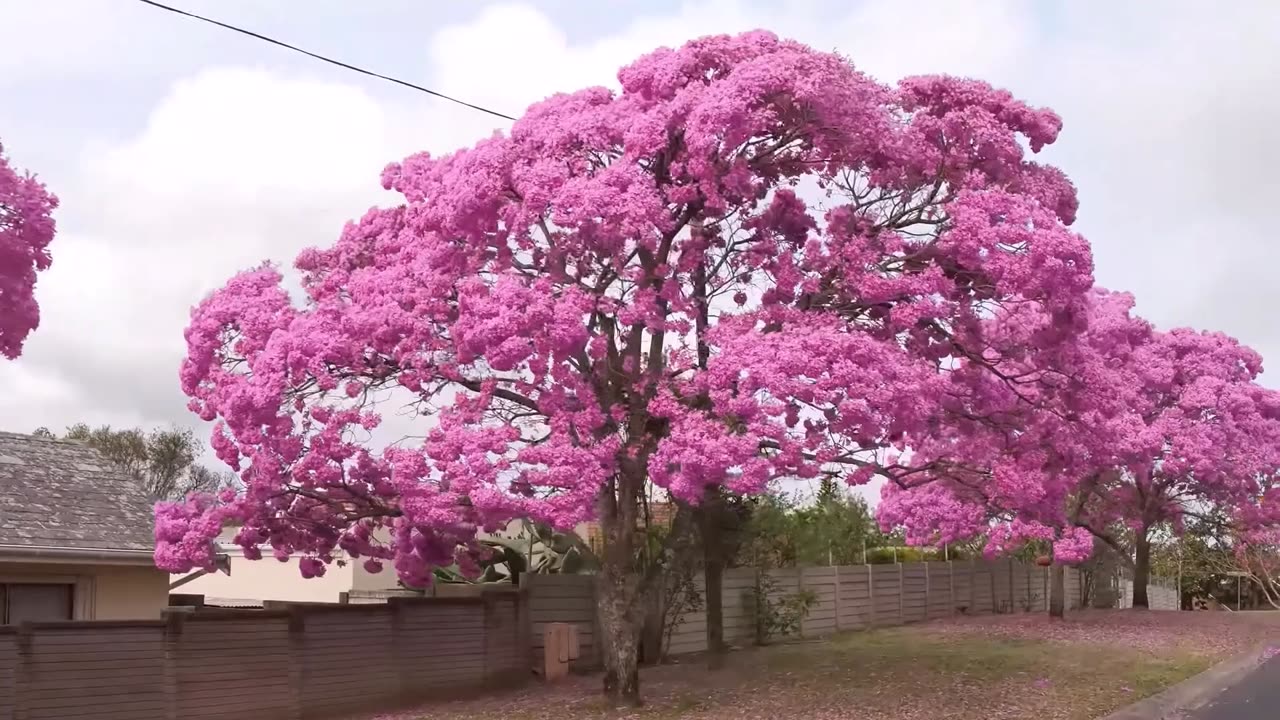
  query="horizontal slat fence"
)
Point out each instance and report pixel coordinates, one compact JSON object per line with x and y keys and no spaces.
{"x":310,"y":662}
{"x":301,"y":663}
{"x":849,"y":597}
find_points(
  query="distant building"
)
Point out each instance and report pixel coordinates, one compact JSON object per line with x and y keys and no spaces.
{"x":76,"y":536}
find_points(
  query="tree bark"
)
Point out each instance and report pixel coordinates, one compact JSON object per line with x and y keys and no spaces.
{"x":1057,"y":591}
{"x":653,"y":628}
{"x":622,"y":583}
{"x":713,"y":577}
{"x":710,"y":514}
{"x":1102,"y":575}
{"x":1141,"y":570}
{"x":620,"y":630}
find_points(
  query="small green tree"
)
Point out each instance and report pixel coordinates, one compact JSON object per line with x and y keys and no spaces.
{"x":165,"y":461}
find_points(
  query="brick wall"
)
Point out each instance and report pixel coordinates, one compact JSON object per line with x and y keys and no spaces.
{"x":299,"y":663}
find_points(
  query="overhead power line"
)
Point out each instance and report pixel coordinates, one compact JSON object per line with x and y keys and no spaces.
{"x":322,"y":58}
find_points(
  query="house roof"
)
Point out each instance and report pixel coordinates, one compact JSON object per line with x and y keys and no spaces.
{"x":64,"y":495}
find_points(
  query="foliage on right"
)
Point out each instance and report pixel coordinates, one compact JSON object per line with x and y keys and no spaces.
{"x":1132,"y":431}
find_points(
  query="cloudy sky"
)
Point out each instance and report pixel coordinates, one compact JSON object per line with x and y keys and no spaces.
{"x":183,"y":152}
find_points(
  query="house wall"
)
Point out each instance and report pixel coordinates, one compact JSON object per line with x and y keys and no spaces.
{"x":130,"y":593}
{"x":270,"y":579}
{"x":102,"y":592}
{"x":362,"y":579}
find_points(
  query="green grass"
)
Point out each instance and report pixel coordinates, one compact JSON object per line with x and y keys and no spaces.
{"x":1090,"y":676}
{"x":910,"y":672}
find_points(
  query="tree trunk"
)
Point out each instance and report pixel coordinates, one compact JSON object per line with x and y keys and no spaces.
{"x":710,"y":514}
{"x":713,"y":576}
{"x":653,"y":628}
{"x":1057,"y":591}
{"x":1141,"y":571}
{"x":1102,"y":576}
{"x":716,"y":648}
{"x":620,"y":631}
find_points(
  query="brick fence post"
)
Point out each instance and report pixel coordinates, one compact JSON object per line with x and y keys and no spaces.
{"x":297,"y":657}
{"x":493,"y":669}
{"x":174,"y":622}
{"x":22,"y":675}
{"x":395,"y":606}
{"x":524,"y":622}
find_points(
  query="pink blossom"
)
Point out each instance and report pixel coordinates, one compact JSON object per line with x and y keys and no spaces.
{"x":1126,"y":425}
{"x":26,"y":229}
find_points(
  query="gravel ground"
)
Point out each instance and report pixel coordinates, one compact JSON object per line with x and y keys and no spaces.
{"x":968,"y":668}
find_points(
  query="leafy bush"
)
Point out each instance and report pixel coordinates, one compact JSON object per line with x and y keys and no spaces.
{"x":776,"y":616}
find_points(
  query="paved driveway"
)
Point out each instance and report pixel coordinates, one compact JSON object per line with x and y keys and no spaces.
{"x":1257,"y":697}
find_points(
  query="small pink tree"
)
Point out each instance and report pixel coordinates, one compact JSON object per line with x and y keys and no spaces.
{"x":629,"y":288}
{"x":1132,"y":428}
{"x":26,"y":229}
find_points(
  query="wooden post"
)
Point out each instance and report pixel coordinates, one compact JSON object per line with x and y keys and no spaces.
{"x":835,"y":599}
{"x":871,"y":597}
{"x":973,"y":581}
{"x":951,"y":586}
{"x":800,"y":589}
{"x":926,"y":589}
{"x":902,"y":619}
{"x":1012,"y":600}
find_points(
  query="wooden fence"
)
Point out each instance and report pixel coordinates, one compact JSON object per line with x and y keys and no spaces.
{"x":302,"y":663}
{"x":851,"y":597}
{"x":309,"y":662}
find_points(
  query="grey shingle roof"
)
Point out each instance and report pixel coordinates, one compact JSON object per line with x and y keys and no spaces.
{"x":58,"y":493}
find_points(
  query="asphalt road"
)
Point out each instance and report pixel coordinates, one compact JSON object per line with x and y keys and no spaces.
{"x":1257,"y":697}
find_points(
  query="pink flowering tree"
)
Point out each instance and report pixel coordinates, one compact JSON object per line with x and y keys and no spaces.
{"x":1203,"y":435}
{"x":752,"y":262}
{"x":26,"y":229}
{"x":1020,"y":450}
{"x":1131,"y":430}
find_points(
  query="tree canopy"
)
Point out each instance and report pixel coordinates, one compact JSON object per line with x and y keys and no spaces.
{"x":751,"y":262}
{"x":164,"y":461}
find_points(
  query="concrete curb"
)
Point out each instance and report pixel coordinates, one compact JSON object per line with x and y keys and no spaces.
{"x":1194,"y":692}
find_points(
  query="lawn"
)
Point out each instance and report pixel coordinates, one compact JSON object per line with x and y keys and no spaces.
{"x":988,"y":668}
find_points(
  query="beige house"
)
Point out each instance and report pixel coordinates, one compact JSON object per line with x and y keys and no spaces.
{"x":242,"y":582}
{"x":249,"y":583}
{"x":76,"y":538}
